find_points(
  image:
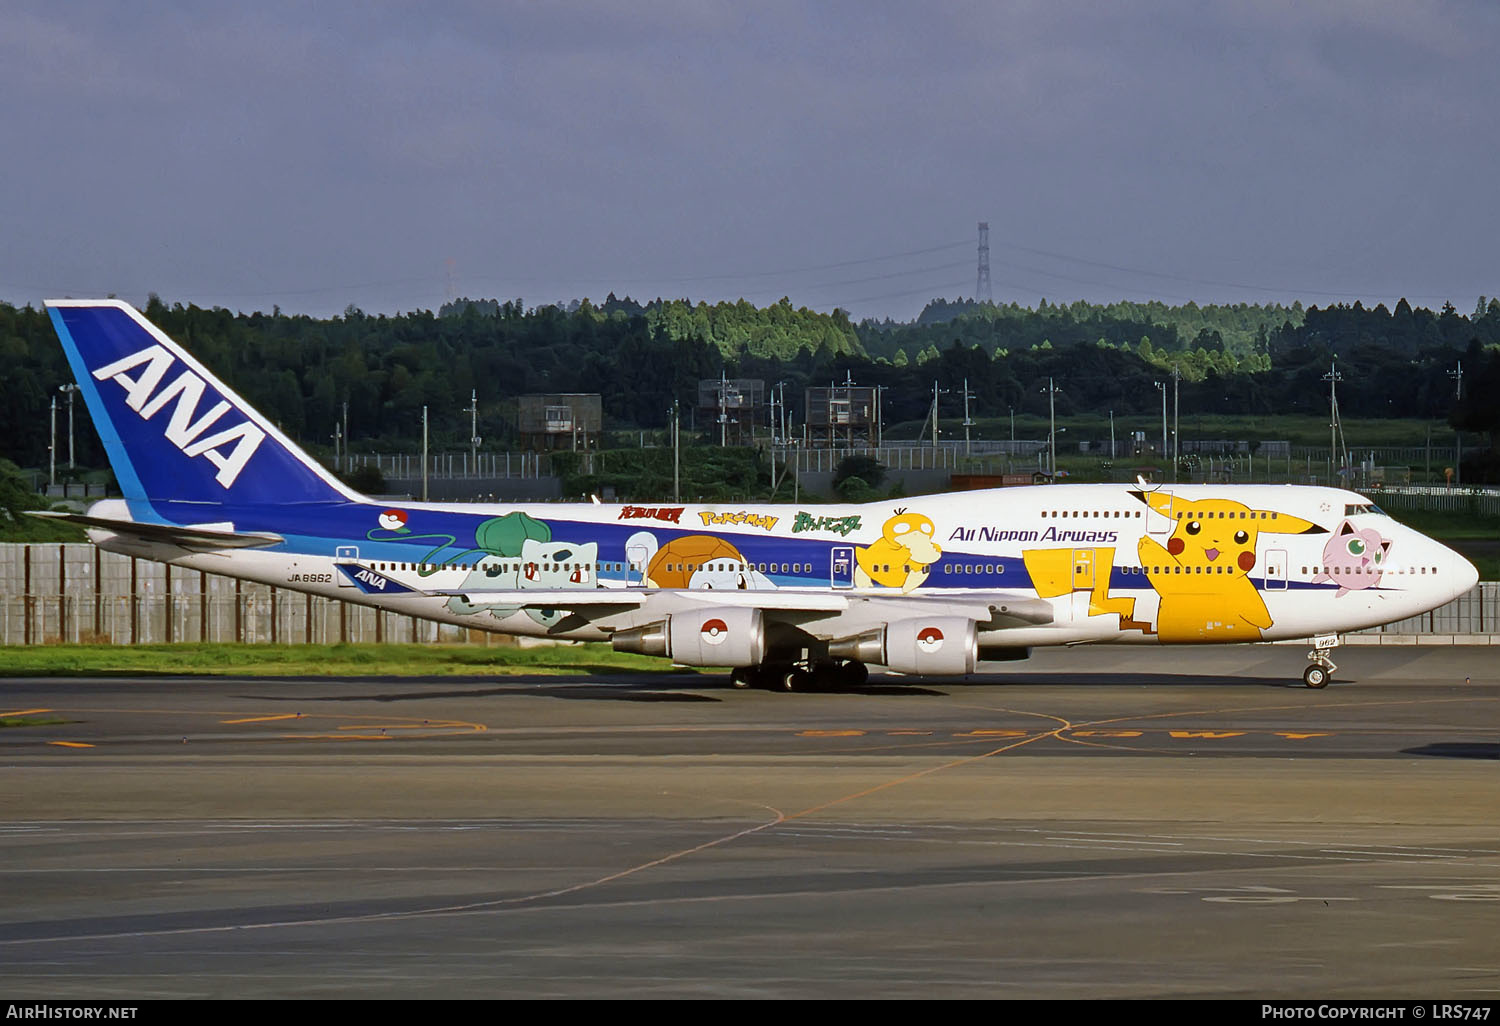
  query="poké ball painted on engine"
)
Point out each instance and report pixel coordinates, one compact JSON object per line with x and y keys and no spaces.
{"x":714,"y":631}
{"x":929,"y":640}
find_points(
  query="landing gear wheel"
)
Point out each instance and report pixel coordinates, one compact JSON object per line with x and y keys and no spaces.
{"x":853,"y":674}
{"x":795,"y":679}
{"x":825,"y":677}
{"x":1315,"y":676}
{"x":741,"y":677}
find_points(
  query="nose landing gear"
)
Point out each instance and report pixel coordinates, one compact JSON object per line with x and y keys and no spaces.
{"x":1321,"y":669}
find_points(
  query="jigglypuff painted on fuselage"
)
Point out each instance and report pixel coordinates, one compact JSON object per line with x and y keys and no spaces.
{"x":1353,"y":558}
{"x":1203,"y":573}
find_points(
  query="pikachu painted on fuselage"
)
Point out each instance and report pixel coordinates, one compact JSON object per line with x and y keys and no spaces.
{"x":1203,"y":572}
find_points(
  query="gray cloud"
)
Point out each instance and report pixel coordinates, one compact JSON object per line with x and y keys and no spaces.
{"x":320,"y":155}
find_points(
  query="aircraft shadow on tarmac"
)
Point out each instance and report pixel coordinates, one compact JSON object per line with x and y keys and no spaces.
{"x":516,"y":687}
{"x":1098,"y":680}
{"x":655,"y":688}
{"x":1457,"y":750}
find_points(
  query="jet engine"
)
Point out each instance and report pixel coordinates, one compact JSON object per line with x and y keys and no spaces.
{"x":936,"y":645}
{"x":723,"y":636}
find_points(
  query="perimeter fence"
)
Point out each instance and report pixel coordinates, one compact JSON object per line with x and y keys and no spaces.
{"x":76,"y":592}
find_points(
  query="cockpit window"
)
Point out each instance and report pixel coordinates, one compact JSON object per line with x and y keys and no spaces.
{"x":1362,"y":507}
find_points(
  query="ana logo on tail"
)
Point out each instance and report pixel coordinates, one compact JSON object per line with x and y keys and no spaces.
{"x":229,"y":449}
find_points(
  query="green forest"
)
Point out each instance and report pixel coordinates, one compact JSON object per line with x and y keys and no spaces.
{"x":1248,"y":359}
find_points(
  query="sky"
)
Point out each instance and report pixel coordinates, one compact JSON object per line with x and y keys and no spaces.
{"x":391,"y":156}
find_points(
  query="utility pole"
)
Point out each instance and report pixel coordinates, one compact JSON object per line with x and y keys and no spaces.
{"x":346,"y":434}
{"x":1333,"y":377}
{"x":1458,"y":436}
{"x":935,"y":394}
{"x":474,"y":430}
{"x":1111,"y":436}
{"x":70,"y":390}
{"x":1052,"y":391}
{"x":1176,"y":437}
{"x":1161,"y":386}
{"x":723,"y":409}
{"x":967,"y":420}
{"x":52,"y":448}
{"x":676,"y":456}
{"x":424,"y":454}
{"x":771,"y":418}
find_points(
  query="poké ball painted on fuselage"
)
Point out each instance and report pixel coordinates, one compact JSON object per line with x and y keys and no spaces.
{"x":903,"y":556}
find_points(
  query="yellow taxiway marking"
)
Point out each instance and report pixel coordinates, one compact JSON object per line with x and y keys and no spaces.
{"x":24,"y":712}
{"x":266,"y":719}
{"x":69,"y":744}
{"x":830,"y":733}
{"x":992,"y":733}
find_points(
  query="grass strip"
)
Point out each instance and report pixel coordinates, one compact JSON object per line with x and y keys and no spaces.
{"x":258,"y":660}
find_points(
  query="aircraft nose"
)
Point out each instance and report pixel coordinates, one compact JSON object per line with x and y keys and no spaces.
{"x":1465,"y":574}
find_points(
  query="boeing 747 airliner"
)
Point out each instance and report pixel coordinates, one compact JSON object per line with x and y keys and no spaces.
{"x":788,"y":597}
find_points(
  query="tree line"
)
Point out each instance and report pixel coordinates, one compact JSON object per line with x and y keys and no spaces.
{"x":302,"y":371}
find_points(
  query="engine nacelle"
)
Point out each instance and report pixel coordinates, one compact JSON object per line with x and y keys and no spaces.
{"x":939,"y":646}
{"x":720,"y":636}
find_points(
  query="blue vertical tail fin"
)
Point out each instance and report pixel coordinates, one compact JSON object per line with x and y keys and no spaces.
{"x":173,"y":432}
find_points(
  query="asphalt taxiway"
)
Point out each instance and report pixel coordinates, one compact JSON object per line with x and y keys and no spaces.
{"x":1091,"y":823}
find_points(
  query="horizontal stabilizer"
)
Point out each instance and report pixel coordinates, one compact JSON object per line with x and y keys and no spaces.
{"x":203,"y":536}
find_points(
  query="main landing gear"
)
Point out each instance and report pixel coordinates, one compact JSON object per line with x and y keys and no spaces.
{"x":1321,"y":669}
{"x":834,"y":675}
